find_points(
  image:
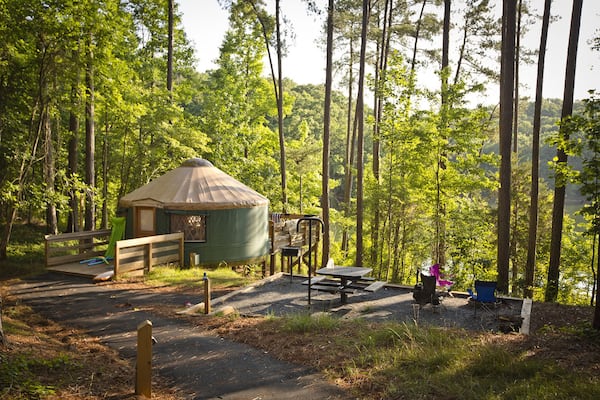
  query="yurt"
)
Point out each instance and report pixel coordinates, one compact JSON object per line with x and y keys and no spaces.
{"x":222,"y":219}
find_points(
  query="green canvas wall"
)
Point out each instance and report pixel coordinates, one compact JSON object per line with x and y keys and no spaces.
{"x":232,"y":235}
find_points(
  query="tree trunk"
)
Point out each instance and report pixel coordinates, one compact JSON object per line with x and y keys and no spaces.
{"x":284,"y":198}
{"x":515,"y":211}
{"x":349,"y":156}
{"x":596,"y":321}
{"x":377,"y":110}
{"x":439,"y":251}
{"x":73,"y":222}
{"x":2,"y":338}
{"x":417,"y":33}
{"x":326,"y":133}
{"x":535,"y":156}
{"x":560,"y":180}
{"x":170,"y":48}
{"x":278,"y":90}
{"x":104,"y":222}
{"x":49,"y":170}
{"x":507,"y":79}
{"x":90,"y":174}
{"x":360,"y":139}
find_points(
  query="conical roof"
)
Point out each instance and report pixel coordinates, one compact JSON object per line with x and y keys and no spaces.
{"x":195,"y":185}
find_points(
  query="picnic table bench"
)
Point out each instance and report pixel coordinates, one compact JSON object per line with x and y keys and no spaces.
{"x":343,"y":280}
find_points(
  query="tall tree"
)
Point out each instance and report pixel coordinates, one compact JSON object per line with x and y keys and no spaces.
{"x":439,"y":251}
{"x":266,"y":24}
{"x":326,"y":133}
{"x":90,"y":137}
{"x":170,"y":40}
{"x":282,"y":161}
{"x":383,"y":43}
{"x":360,"y":139}
{"x":515,"y":148}
{"x":535,"y":155}
{"x":561,"y":156}
{"x":507,"y":79}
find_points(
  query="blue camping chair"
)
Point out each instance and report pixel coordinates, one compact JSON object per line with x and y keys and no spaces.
{"x":485,"y":297}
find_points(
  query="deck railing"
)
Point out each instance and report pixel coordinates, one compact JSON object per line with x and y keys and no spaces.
{"x":146,"y":252}
{"x":74,"y":247}
{"x":130,"y":254}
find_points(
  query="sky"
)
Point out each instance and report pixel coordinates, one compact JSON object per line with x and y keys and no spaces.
{"x":205,"y":24}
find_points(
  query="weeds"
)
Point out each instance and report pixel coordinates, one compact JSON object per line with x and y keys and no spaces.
{"x":305,"y":323}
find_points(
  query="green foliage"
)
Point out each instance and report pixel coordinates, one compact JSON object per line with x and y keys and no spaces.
{"x":20,"y":375}
{"x":25,"y":252}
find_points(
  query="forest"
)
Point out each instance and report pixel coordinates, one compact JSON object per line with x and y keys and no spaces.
{"x":99,"y":97}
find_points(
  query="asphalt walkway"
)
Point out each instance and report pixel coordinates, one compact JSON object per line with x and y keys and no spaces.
{"x":200,"y":366}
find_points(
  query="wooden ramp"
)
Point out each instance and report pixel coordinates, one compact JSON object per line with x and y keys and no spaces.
{"x":84,"y":270}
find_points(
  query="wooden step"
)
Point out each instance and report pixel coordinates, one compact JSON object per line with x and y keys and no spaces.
{"x":375,"y":286}
{"x":313,"y":280}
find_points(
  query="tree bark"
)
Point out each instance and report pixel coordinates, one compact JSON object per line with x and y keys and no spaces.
{"x":49,"y":171}
{"x":596,"y":320}
{"x":73,"y":222}
{"x":559,"y":181}
{"x":439,"y":251}
{"x":278,"y":90}
{"x":2,"y":337}
{"x":326,"y":134}
{"x":507,"y":79}
{"x":170,"y":47}
{"x":535,"y":156}
{"x":90,"y":174}
{"x":360,"y":141}
{"x":417,"y":33}
{"x":515,"y":146}
{"x":284,"y":198}
{"x":377,"y":110}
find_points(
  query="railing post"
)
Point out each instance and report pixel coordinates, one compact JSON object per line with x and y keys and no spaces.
{"x":181,"y":260}
{"x":149,"y":262}
{"x":143,"y":370}
{"x":117,"y":259}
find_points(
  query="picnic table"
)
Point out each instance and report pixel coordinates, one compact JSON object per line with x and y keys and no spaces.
{"x":344,"y":280}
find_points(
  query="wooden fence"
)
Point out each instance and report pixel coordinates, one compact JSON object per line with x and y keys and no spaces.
{"x":74,"y":247}
{"x":146,"y":252}
{"x":130,"y":254}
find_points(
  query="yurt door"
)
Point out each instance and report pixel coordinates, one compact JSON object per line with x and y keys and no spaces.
{"x":145,"y":221}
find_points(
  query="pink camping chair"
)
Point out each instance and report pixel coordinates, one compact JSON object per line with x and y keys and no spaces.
{"x":434,"y":270}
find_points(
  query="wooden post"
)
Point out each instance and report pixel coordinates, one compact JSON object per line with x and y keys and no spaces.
{"x":181,"y":250}
{"x":206,"y":294}
{"x":272,"y":248}
{"x":116,"y":260}
{"x":148,"y":258}
{"x":143,"y":370}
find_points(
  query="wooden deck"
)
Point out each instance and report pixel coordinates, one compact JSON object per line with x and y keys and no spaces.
{"x":84,"y":270}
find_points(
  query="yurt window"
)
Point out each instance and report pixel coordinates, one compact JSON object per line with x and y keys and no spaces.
{"x":145,"y":225}
{"x":192,"y":226}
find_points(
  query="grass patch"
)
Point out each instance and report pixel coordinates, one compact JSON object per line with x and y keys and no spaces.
{"x":220,"y":278}
{"x":406,"y":361}
{"x":26,"y":252}
{"x":305,"y":323}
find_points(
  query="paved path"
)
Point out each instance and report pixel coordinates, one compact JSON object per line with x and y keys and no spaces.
{"x":200,"y":366}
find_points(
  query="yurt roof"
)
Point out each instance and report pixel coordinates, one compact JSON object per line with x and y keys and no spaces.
{"x":195,"y":185}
